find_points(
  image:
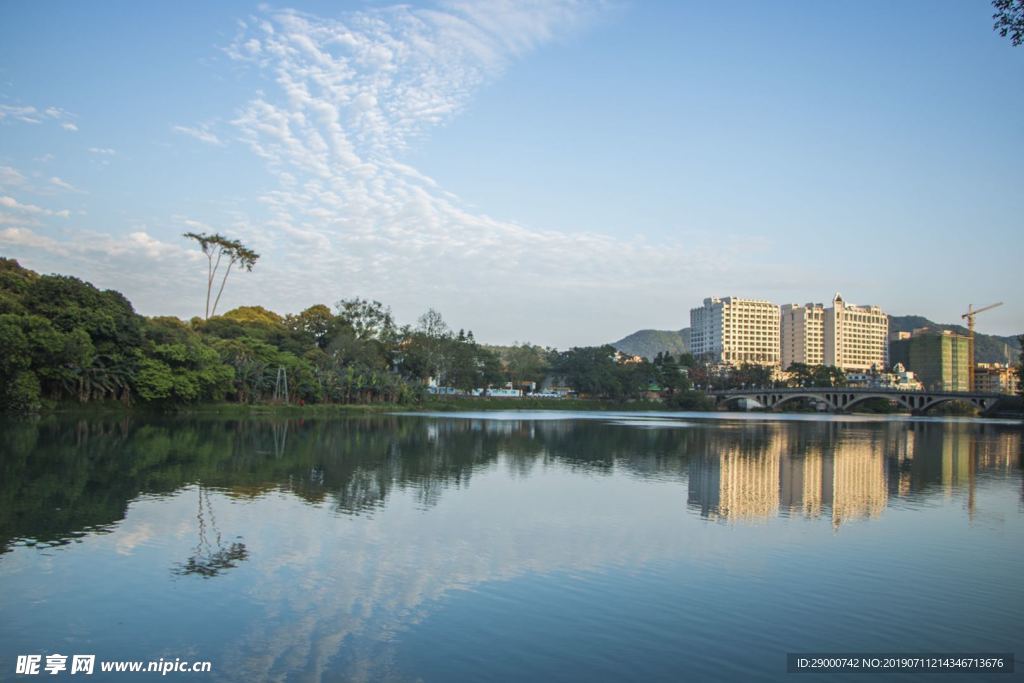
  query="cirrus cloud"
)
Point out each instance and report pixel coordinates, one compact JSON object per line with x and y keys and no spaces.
{"x":346,"y":98}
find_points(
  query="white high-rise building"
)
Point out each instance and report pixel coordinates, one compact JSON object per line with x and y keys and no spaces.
{"x":846,"y":336}
{"x":802,"y":334}
{"x":856,"y":337}
{"x":736,"y":331}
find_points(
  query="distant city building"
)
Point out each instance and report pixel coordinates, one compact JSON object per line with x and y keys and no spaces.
{"x":939,"y":359}
{"x":996,"y":378}
{"x":847,"y":336}
{"x":899,"y":379}
{"x":902,"y":379}
{"x":855,"y":336}
{"x":736,"y":331}
{"x":802,"y":334}
{"x":628,"y":359}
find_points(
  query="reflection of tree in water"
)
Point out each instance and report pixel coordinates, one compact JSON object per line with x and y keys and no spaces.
{"x":63,"y":478}
{"x":210,"y":559}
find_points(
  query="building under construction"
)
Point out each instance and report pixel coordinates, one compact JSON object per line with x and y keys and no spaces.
{"x":940,"y":359}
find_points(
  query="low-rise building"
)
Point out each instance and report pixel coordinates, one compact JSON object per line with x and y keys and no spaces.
{"x":899,"y":379}
{"x":996,"y":378}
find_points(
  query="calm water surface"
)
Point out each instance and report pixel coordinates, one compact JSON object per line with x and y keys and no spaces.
{"x":508,"y":546}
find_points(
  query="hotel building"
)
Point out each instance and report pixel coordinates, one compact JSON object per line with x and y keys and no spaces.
{"x":736,"y":331}
{"x":856,"y":337}
{"x":802,"y":334}
{"x":850,"y":337}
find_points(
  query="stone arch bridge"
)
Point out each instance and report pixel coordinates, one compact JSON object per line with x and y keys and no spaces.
{"x":839,"y":399}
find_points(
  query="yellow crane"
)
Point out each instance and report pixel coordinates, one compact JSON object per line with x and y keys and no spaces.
{"x":969,"y":316}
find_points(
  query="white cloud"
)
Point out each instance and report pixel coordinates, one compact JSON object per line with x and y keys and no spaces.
{"x":23,"y":237}
{"x":349,"y":96}
{"x":14,"y":204}
{"x":90,"y":243}
{"x":64,"y":185}
{"x":10,"y":113}
{"x":19,"y":113}
{"x":202,"y":133}
{"x":103,"y":151}
{"x":11,"y":177}
{"x":195,"y":225}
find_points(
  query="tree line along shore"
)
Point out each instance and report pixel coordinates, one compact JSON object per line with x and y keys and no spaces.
{"x":65,"y":342}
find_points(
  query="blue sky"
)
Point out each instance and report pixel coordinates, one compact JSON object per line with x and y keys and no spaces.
{"x":559,"y":172}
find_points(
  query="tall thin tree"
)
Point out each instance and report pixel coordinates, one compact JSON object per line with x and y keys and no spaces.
{"x":218,"y":248}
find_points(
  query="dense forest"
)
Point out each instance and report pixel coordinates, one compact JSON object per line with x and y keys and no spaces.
{"x":62,"y":339}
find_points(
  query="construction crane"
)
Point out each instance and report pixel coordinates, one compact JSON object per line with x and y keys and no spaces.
{"x":969,"y":316}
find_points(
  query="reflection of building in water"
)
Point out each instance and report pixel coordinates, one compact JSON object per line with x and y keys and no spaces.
{"x":957,"y":468}
{"x":742,"y":481}
{"x":1000,"y":454}
{"x":949,"y":456}
{"x":749,"y":485}
{"x":800,"y":483}
{"x":755,"y":480}
{"x":858,"y":482}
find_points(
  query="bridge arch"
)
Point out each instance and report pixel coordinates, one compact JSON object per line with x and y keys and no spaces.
{"x":785,"y":398}
{"x":726,"y":400}
{"x":979,"y":403}
{"x":894,"y":398}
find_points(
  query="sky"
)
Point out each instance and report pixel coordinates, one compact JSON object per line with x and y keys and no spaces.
{"x":558,"y":172}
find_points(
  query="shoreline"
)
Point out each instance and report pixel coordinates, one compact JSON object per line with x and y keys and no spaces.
{"x":452,"y":405}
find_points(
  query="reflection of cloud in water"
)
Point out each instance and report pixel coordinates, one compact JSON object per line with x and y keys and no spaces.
{"x":359,"y":528}
{"x":137,"y":534}
{"x":358,"y":581}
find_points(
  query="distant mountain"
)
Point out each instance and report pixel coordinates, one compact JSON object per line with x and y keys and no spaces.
{"x":649,"y":343}
{"x":988,"y":348}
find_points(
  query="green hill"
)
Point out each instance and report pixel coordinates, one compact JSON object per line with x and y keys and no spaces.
{"x":649,"y":343}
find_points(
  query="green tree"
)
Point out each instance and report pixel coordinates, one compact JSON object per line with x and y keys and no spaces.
{"x":35,"y":356}
{"x":180,"y":366}
{"x":670,"y":375}
{"x":316,"y":324}
{"x":526,"y":363}
{"x":14,"y":282}
{"x":368,"y":319}
{"x":424,"y":347}
{"x":106,"y":316}
{"x":221,"y":250}
{"x":1009,"y":18}
{"x":589,"y":370}
{"x":803,"y":375}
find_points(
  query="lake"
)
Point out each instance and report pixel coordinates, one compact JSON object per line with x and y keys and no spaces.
{"x":508,"y":546}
